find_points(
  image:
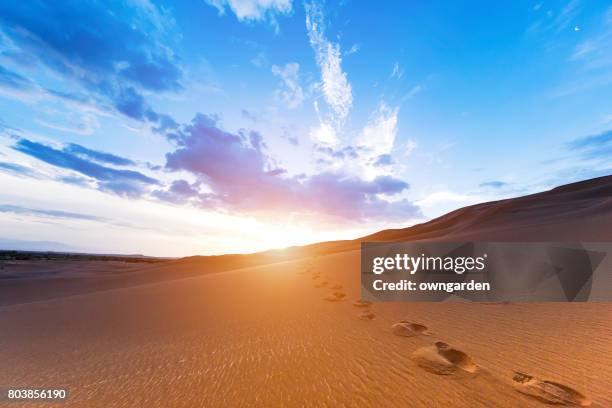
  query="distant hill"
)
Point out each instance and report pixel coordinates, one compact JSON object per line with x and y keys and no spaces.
{"x":18,"y":245}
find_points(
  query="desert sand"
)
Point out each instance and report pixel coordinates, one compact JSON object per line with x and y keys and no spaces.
{"x":289,"y":329}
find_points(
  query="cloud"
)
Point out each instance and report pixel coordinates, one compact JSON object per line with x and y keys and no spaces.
{"x":181,"y":192}
{"x":566,"y":15}
{"x":412,"y":92}
{"x":291,"y":93}
{"x":378,"y":136}
{"x":232,"y":165}
{"x":370,"y":152}
{"x":7,"y":208}
{"x":260,"y":60}
{"x":96,"y":155}
{"x":288,"y":133}
{"x":17,"y":169}
{"x":13,"y":80}
{"x":240,"y":175}
{"x":594,"y":147}
{"x":74,"y":180}
{"x":356,"y":199}
{"x":591,"y":59}
{"x":397,"y":71}
{"x":335,"y":86}
{"x":384,"y":160}
{"x":324,"y":134}
{"x":353,"y":50}
{"x":253,"y":10}
{"x":18,"y":87}
{"x":122,"y":182}
{"x":113,"y":56}
{"x":556,"y":21}
{"x":595,"y":51}
{"x":80,"y":124}
{"x":494,"y":184}
{"x":132,"y":104}
{"x":591,"y":157}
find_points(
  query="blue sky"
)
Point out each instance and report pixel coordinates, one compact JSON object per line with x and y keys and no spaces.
{"x":174,"y":128}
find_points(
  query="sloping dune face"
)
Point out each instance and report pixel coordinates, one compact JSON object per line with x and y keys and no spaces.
{"x":575,"y":212}
{"x":271,"y":335}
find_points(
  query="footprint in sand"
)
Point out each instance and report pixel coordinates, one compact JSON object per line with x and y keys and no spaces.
{"x":548,"y":391}
{"x":362,"y":303}
{"x":442,"y":359}
{"x":321,"y":284}
{"x":335,"y":296}
{"x":336,"y":287}
{"x":367,"y":315}
{"x":406,"y":328}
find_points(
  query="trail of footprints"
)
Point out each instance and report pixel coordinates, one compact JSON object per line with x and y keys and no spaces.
{"x":440,"y":358}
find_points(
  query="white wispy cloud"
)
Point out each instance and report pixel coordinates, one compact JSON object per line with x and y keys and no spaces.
{"x":256,"y":10}
{"x":335,"y":86}
{"x":555,"y":21}
{"x":85,"y":124}
{"x":324,"y":134}
{"x":566,"y":15}
{"x":378,"y":136}
{"x":412,"y":92}
{"x":353,"y":50}
{"x":369,"y":153}
{"x":397,"y":71}
{"x":291,"y":92}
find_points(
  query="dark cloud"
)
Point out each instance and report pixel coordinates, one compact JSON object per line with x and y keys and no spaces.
{"x":494,"y":184}
{"x":119,"y":181}
{"x":7,"y":208}
{"x":241,"y":176}
{"x":111,"y":54}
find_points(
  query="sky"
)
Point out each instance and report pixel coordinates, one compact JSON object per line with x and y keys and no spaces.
{"x":232,"y":126}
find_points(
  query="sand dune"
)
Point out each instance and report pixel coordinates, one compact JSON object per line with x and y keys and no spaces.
{"x":265,"y":337}
{"x":257,"y":332}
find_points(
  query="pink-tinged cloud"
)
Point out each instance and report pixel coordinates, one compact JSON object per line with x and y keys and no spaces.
{"x":237,"y":174}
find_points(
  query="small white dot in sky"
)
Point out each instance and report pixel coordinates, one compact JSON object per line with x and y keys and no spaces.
{"x":577,"y":28}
